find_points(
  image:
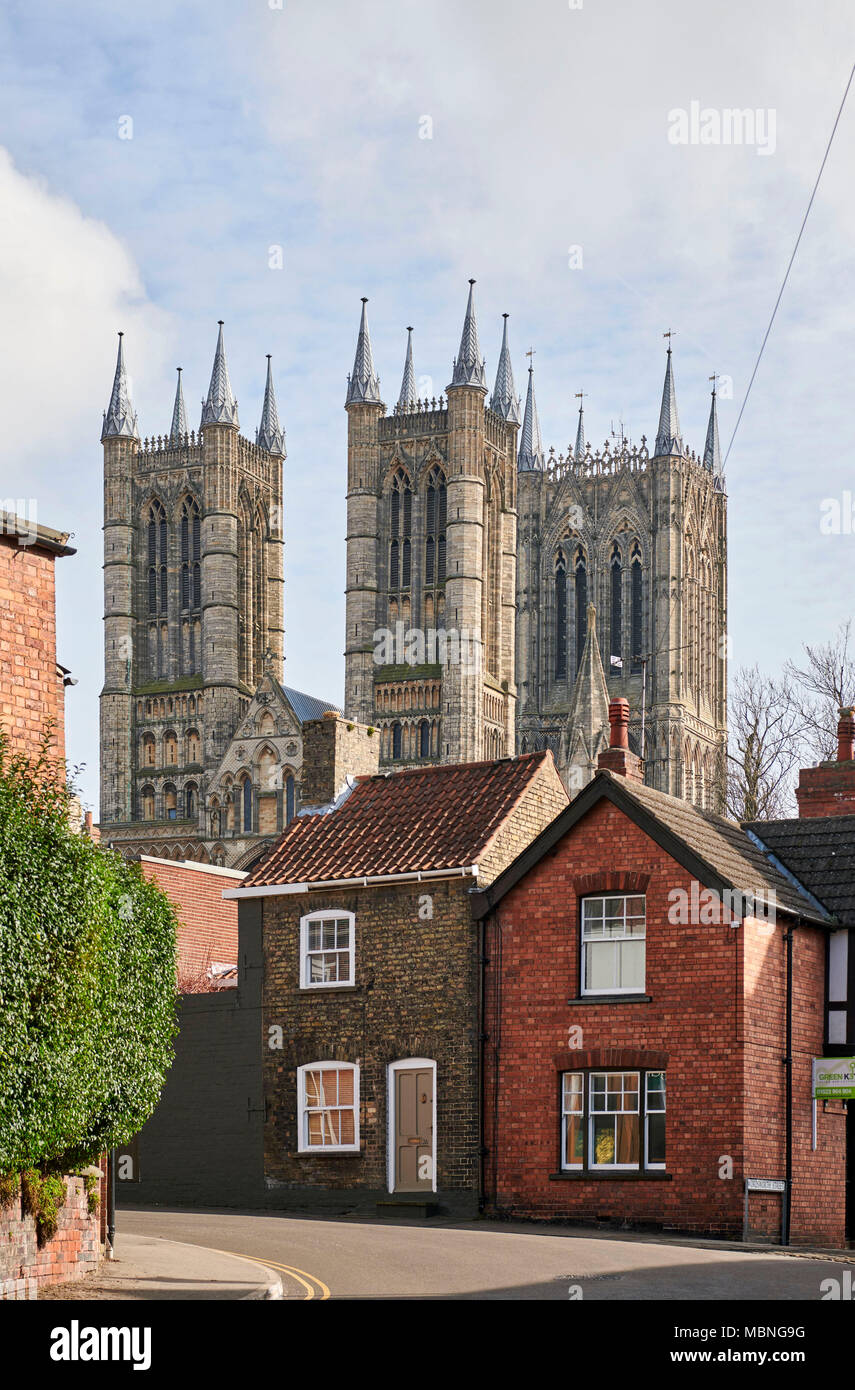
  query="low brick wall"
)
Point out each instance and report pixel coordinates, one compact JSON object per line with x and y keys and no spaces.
{"x":71,"y":1253}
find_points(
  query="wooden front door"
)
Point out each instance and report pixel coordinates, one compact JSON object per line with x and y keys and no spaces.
{"x":412,"y":1146}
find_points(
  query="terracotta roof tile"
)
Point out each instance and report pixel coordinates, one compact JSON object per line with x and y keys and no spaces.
{"x":416,"y":819}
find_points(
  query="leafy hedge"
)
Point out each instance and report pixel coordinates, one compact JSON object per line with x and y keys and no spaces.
{"x":87,"y":982}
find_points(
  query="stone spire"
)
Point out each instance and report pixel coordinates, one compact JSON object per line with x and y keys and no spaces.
{"x":505,"y":401}
{"x":469,"y":364}
{"x":579,"y":451}
{"x":712,"y":448}
{"x":408,"y":385}
{"x":586,"y":732}
{"x":270,"y":435}
{"x":120,"y":418}
{"x":220,"y":408}
{"x":531,"y":445}
{"x":669,"y":440}
{"x":178,"y":428}
{"x":363,"y":384}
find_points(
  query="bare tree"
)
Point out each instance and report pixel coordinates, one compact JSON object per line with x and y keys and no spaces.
{"x":819,"y":689}
{"x":764,"y":747}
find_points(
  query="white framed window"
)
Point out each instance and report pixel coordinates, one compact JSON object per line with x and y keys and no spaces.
{"x":327,"y":954}
{"x":573,"y":1120}
{"x":614,"y":929}
{"x":612,"y":1120}
{"x":328,"y":1107}
{"x":654,"y":1119}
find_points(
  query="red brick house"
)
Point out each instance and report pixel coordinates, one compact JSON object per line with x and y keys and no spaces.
{"x":371,"y":981}
{"x":208,"y":923}
{"x":655,"y":992}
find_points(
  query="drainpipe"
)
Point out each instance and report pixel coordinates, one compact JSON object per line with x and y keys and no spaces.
{"x":482,"y":1042}
{"x":788,"y":1110}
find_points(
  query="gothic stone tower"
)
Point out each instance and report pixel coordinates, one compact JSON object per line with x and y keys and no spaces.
{"x":637,"y":545}
{"x":431,"y":559}
{"x":193,"y":605}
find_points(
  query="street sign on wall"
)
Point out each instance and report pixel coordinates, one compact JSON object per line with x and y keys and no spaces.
{"x":834,"y":1078}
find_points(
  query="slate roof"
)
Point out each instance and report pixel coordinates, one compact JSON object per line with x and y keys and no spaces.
{"x":307,"y":706}
{"x":820,"y":852}
{"x":402,"y":822}
{"x":718,"y":852}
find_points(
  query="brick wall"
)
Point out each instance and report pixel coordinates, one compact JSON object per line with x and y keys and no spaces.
{"x":209,"y":925}
{"x":31,"y":689}
{"x":75,"y":1250}
{"x":721,"y":1047}
{"x":827,"y":790}
{"x":819,"y":1176}
{"x":415,"y":996}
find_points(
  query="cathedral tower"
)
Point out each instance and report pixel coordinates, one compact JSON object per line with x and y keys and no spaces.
{"x":636,"y":543}
{"x":431,"y":558}
{"x":193,"y":614}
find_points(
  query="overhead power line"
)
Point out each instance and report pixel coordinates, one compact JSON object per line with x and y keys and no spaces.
{"x":790,"y":265}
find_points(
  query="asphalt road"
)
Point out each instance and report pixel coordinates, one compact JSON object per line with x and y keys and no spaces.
{"x":362,"y":1258}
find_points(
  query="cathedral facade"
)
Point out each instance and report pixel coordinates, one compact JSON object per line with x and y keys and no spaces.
{"x":556,"y":582}
{"x":622,"y":591}
{"x":200,"y":742}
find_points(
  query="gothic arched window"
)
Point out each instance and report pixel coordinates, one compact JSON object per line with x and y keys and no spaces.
{"x":436,"y":516}
{"x":616,"y":639}
{"x":560,"y":616}
{"x":247,"y":806}
{"x":157,"y":558}
{"x":424,"y":739}
{"x":289,"y":799}
{"x":396,"y":740}
{"x":400,"y":529}
{"x":581,"y":577}
{"x":636,"y":637}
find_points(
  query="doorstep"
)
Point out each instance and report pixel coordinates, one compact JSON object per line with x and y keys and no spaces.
{"x":418,"y":1206}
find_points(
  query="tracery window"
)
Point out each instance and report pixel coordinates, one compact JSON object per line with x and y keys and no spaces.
{"x":560,"y":616}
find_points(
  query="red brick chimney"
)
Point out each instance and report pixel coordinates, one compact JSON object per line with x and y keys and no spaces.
{"x":618,"y":757}
{"x":829,"y":790}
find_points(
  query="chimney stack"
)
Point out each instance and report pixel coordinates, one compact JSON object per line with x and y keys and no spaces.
{"x":829,"y":790}
{"x":618,"y":757}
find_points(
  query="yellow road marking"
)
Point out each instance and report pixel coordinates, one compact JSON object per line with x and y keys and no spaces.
{"x":300,"y":1276}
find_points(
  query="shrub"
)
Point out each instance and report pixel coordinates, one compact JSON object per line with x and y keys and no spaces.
{"x":87,"y":982}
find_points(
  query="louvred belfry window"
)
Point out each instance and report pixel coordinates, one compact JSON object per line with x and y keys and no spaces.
{"x":157,"y":558}
{"x":581,"y":604}
{"x":400,"y":528}
{"x":560,"y":616}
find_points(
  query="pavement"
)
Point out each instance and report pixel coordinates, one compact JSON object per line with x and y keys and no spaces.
{"x":152,"y":1267}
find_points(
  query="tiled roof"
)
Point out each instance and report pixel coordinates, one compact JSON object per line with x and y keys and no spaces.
{"x":820,"y":851}
{"x":717,"y":851}
{"x":416,"y":819}
{"x":307,"y":706}
{"x":724,"y":845}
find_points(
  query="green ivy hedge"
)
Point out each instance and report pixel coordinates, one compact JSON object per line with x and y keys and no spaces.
{"x":87,"y":982}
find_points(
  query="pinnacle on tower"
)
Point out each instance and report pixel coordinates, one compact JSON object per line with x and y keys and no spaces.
{"x":468,"y":367}
{"x":220,"y":408}
{"x":531,"y":455}
{"x":505,"y":401}
{"x":587,"y":724}
{"x":363,"y":384}
{"x":120,"y":418}
{"x":669,"y":440}
{"x":270,"y":435}
{"x":178,"y":428}
{"x":712,"y":447}
{"x":408,"y":385}
{"x":579,"y":451}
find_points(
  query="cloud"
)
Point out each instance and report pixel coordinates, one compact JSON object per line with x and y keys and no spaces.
{"x":67,"y":284}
